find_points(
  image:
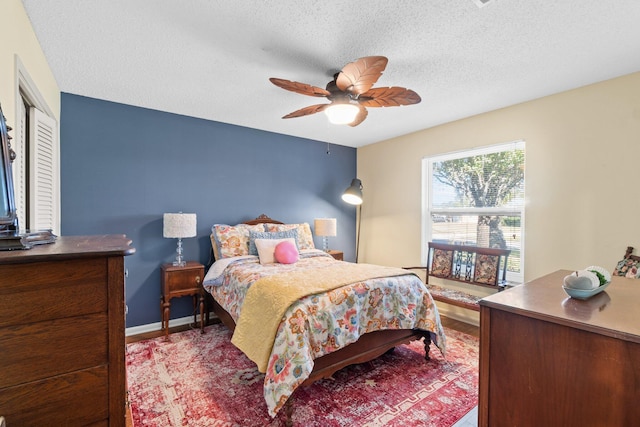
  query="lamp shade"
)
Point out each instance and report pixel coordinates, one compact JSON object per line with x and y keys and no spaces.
{"x":325,"y":226}
{"x":179,"y":225}
{"x":353,"y":194}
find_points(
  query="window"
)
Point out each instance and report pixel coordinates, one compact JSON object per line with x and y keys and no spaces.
{"x":476,"y":198}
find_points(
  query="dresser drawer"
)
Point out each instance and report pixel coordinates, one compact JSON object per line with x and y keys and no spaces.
{"x":40,"y":291}
{"x":76,"y":399}
{"x":182,"y":280}
{"x":37,"y":350}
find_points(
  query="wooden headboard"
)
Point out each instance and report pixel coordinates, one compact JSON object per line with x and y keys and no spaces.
{"x":262,"y":219}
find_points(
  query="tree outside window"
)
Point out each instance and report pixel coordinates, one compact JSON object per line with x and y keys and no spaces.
{"x":476,"y":198}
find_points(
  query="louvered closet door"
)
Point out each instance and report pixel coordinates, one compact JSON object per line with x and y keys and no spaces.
{"x":43,"y":172}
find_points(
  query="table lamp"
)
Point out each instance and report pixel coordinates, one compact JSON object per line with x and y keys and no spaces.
{"x":179,"y":225}
{"x":325,"y":227}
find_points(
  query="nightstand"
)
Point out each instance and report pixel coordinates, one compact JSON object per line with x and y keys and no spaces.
{"x":179,"y":282}
{"x":339,"y":255}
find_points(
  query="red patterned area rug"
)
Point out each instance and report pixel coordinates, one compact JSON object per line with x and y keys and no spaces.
{"x":203,"y":380}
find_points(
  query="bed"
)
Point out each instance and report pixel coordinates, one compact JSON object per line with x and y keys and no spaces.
{"x":343,"y":314}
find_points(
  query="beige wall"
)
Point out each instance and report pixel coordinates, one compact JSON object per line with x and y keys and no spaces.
{"x":582,"y":175}
{"x":19,"y":39}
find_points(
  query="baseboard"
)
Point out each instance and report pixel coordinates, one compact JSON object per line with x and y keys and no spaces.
{"x":458,"y":313}
{"x":157,"y":326}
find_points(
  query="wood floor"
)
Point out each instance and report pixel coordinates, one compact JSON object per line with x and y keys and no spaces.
{"x":460,"y":326}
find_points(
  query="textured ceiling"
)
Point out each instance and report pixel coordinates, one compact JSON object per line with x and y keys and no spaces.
{"x":213,"y":59}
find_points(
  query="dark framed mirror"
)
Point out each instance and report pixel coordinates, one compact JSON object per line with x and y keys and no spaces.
{"x":11,"y":236}
{"x":8,"y":216}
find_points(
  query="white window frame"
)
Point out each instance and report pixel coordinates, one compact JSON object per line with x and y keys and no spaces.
{"x":44,"y":190}
{"x":427,"y":209}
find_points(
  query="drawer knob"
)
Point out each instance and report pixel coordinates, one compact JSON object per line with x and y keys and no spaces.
{"x":198,"y":280}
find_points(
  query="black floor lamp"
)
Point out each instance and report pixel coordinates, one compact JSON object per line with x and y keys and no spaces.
{"x":353,"y":196}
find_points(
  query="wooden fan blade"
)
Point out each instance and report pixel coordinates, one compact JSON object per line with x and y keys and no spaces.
{"x":312,"y":109}
{"x":359,"y":76}
{"x":360,"y":117}
{"x":302,"y":88}
{"x":389,"y":97}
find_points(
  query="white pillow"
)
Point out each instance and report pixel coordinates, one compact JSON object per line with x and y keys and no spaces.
{"x":267,"y":247}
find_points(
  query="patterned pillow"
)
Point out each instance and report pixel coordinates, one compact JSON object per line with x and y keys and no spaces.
{"x":628,"y":267}
{"x":253,"y":235}
{"x":442,"y":263}
{"x":305,"y":238}
{"x":486,"y":269}
{"x":232,"y":240}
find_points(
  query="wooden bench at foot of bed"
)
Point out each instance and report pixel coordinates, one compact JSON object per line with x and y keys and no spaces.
{"x":485,"y":267}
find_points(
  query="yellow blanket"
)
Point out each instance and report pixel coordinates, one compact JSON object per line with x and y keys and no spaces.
{"x":268,"y":299}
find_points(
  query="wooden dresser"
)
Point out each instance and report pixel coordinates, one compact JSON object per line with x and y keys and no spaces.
{"x":550,"y":360}
{"x":62,"y":333}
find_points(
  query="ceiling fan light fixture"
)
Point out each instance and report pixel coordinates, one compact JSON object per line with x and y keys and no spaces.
{"x":351,"y":92}
{"x":342,"y":114}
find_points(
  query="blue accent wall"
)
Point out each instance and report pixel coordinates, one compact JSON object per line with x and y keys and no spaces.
{"x":122,"y":167}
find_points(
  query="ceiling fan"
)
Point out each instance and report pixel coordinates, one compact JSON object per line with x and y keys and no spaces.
{"x":350,"y":92}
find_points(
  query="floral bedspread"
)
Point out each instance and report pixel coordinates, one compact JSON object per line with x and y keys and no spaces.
{"x":320,"y":324}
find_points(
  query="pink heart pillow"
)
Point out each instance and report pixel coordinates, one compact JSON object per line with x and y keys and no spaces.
{"x":286,"y":252}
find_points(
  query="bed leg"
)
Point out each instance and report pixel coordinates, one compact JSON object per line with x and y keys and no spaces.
{"x":288,"y":412}
{"x":427,"y":345}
